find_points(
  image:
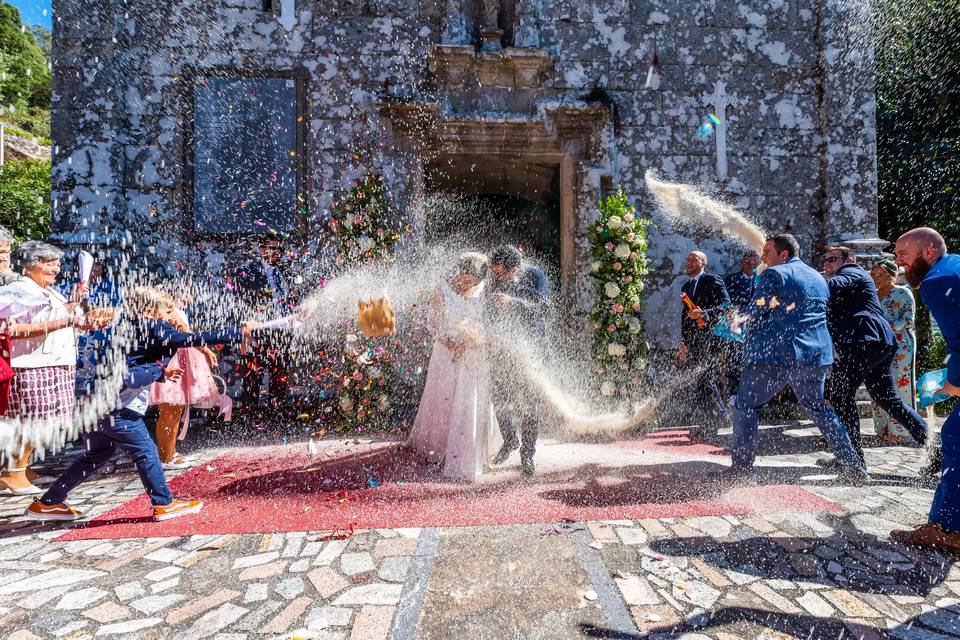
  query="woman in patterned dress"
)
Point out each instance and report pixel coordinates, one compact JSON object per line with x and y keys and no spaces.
{"x":899,"y":310}
{"x":43,"y":354}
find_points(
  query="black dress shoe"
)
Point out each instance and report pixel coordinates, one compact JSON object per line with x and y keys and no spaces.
{"x":738,"y":475}
{"x":527,"y":466}
{"x":828,"y":463}
{"x":505,"y":451}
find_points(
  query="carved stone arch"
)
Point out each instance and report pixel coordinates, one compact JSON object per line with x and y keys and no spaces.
{"x":565,"y":138}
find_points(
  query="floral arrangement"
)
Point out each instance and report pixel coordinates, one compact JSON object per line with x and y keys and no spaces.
{"x":618,"y":264}
{"x":363,"y":223}
{"x":363,"y":386}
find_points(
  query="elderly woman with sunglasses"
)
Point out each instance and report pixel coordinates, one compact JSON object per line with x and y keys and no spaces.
{"x":43,"y":355}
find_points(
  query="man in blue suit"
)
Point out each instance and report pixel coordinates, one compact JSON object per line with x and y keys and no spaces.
{"x":923,"y":255}
{"x":788,"y":344}
{"x":864,"y":347}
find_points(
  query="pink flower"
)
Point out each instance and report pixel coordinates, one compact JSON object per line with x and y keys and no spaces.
{"x":630,"y":236}
{"x":624,"y":366}
{"x":637,"y":307}
{"x":617,"y":308}
{"x":628,"y":279}
{"x":608,"y":246}
{"x":629,"y":217}
{"x":599,"y":228}
{"x":633,"y":255}
{"x":617,"y":266}
{"x":612,"y":328}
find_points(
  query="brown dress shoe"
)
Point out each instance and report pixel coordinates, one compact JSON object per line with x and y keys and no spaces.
{"x":928,"y":535}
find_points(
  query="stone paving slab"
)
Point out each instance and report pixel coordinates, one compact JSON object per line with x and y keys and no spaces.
{"x":783,"y":575}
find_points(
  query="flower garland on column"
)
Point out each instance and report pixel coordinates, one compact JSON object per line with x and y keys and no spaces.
{"x":361,"y":383}
{"x":619,"y":262}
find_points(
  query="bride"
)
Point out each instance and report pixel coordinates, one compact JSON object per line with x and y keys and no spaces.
{"x":455,"y":424}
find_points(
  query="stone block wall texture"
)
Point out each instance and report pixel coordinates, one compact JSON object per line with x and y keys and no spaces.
{"x":800,"y":139}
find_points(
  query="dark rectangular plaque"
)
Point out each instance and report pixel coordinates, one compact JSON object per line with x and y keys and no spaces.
{"x":245,"y":155}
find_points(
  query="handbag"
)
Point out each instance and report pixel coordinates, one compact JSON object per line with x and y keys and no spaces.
{"x":6,"y":372}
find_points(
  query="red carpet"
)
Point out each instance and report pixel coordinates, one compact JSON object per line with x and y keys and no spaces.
{"x":375,"y":485}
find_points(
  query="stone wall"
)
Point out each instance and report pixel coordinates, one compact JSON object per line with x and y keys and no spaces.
{"x":798,"y":73}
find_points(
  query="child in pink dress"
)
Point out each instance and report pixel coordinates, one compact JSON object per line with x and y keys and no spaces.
{"x":196,"y":387}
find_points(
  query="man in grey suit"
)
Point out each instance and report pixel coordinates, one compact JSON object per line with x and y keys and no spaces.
{"x":520,"y":300}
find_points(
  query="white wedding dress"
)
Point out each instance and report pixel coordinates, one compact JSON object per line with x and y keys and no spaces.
{"x":455,"y":424}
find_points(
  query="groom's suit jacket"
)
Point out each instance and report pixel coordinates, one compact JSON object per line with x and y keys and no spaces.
{"x":529,"y":295}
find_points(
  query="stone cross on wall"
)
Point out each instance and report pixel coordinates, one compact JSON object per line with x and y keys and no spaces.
{"x":720,"y":101}
{"x":288,"y":14}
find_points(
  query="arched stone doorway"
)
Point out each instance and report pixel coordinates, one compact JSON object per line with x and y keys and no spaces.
{"x":499,"y":202}
{"x":551,"y":159}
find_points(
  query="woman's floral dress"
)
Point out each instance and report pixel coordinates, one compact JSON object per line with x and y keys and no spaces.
{"x":899,"y":309}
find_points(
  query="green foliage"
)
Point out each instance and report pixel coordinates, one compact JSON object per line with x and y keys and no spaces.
{"x":918,"y":116}
{"x":25,"y":198}
{"x":936,"y":358}
{"x":24,"y":68}
{"x":918,"y":126}
{"x":619,"y":262}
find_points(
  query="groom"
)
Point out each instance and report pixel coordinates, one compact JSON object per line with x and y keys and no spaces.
{"x":520,"y":298}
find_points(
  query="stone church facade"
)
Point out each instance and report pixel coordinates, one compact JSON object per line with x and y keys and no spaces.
{"x":183,"y":126}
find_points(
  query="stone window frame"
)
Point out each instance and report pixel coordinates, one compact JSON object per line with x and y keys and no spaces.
{"x":190,"y":77}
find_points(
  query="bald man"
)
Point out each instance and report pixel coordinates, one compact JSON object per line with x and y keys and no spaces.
{"x":700,"y":350}
{"x":923,"y":255}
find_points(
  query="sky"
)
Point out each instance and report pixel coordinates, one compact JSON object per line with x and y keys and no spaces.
{"x":32,"y":11}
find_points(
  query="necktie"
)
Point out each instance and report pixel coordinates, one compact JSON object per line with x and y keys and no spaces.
{"x":693,"y":287}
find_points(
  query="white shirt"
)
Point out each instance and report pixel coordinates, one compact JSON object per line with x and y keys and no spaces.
{"x":53,"y":349}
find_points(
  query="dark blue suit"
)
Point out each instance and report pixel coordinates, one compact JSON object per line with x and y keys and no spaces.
{"x":788,"y":345}
{"x":514,"y":400}
{"x":864,"y":347}
{"x":740,"y":289}
{"x":940,"y":292}
{"x":154,"y":345}
{"x":708,"y":407}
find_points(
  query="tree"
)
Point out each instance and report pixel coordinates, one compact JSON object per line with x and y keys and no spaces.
{"x":918,"y":116}
{"x":25,"y":198}
{"x":25,"y":81}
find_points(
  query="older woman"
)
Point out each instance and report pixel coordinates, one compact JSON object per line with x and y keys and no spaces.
{"x":6,"y":243}
{"x":899,"y":309}
{"x":43,"y":354}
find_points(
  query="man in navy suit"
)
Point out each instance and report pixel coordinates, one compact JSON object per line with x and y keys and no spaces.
{"x":740,"y":287}
{"x":699,"y":348}
{"x":787,"y":344}
{"x":864,"y":347}
{"x":923,"y":255}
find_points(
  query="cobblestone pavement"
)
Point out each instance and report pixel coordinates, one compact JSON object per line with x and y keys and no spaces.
{"x":789,"y":575}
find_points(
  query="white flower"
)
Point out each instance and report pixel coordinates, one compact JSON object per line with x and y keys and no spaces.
{"x":614,"y":222}
{"x":366,"y":243}
{"x":383,"y":403}
{"x":595,"y":266}
{"x":634,"y":325}
{"x":608,"y":388}
{"x":616,"y":350}
{"x":622,"y":250}
{"x":611,"y":289}
{"x":346,"y":403}
{"x":374,"y":372}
